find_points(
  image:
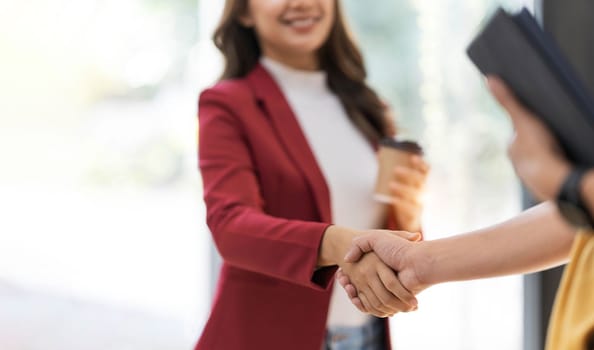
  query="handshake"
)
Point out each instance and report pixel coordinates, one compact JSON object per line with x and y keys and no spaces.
{"x":382,"y":270}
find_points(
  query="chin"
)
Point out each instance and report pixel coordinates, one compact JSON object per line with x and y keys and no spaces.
{"x":305,"y":49}
{"x":302,"y":46}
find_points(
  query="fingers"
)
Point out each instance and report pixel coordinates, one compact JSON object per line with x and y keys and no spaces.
{"x":404,"y":300}
{"x":358,"y":304}
{"x":405,"y":193}
{"x":407,"y":302}
{"x":506,"y":98}
{"x":378,"y":288}
{"x":390,"y":303}
{"x":345,"y":282}
{"x":368,"y":299}
{"x":342,"y":278}
{"x":419,"y":164}
{"x":351,"y":291}
{"x":413,"y":177}
{"x":378,"y":298}
{"x":378,"y":301}
{"x":373,"y":294}
{"x":407,"y":206}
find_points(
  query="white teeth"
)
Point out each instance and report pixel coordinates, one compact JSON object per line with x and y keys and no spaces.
{"x":302,"y":22}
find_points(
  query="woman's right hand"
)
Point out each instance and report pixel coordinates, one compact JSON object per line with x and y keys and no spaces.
{"x":403,"y":258}
{"x":383,"y":294}
{"x":378,"y":287}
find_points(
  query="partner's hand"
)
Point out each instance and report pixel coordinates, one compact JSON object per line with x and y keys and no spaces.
{"x":400,"y":254}
{"x":407,"y":188}
{"x":378,"y":289}
{"x":534,"y":152}
{"x":370,"y":274}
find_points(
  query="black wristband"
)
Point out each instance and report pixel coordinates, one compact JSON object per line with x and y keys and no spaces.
{"x":570,"y":200}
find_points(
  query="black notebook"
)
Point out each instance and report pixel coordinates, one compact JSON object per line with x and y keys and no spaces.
{"x":515,"y":48}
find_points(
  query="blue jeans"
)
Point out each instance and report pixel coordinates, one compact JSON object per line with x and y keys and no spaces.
{"x":370,"y":336}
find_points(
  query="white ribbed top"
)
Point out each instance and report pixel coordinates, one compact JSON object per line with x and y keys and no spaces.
{"x":345,"y":157}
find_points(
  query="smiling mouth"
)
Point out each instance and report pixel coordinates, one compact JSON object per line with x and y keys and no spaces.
{"x":303,"y":22}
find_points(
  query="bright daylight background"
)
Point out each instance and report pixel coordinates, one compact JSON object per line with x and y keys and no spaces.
{"x":103,"y":243}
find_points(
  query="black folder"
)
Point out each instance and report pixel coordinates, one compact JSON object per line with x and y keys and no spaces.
{"x":516,"y":49}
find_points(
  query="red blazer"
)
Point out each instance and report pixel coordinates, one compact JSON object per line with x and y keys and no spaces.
{"x":268,"y":206}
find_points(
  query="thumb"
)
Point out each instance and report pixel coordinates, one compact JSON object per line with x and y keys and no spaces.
{"x":360,"y":246}
{"x":411,"y":236}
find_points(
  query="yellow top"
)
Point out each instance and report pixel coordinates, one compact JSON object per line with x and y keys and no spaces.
{"x":572,"y":320}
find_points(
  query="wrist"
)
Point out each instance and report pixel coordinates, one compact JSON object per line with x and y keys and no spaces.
{"x":335,"y":244}
{"x":571,"y":199}
{"x":557,"y":175}
{"x":424,"y":257}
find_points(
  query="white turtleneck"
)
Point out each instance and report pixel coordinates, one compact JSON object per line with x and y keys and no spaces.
{"x":345,"y":157}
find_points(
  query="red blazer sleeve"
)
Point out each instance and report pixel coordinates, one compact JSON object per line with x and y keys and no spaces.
{"x":247,"y":237}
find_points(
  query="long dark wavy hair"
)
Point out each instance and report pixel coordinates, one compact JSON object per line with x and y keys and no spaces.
{"x":339,"y":57}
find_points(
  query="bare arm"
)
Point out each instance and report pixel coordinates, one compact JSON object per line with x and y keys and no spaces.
{"x":534,"y":240}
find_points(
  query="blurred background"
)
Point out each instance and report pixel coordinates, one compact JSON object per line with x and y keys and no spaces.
{"x":103,"y":243}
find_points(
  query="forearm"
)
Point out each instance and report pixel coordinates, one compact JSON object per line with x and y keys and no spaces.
{"x":588,"y":191}
{"x":534,"y":240}
{"x":252,"y":240}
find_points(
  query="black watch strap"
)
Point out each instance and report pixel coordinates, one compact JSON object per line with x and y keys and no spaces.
{"x":570,"y":201}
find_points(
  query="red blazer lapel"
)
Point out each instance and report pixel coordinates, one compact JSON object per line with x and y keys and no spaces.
{"x":289,"y":131}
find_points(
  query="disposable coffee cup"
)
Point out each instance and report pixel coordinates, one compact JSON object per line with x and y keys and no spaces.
{"x":392,"y":152}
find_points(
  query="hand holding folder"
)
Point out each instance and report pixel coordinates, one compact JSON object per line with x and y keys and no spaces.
{"x":514,"y":48}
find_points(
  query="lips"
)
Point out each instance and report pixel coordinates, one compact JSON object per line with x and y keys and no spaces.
{"x":301,"y":22}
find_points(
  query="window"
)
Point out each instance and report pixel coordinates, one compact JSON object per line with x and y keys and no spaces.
{"x":415,"y":54}
{"x":102,"y":214}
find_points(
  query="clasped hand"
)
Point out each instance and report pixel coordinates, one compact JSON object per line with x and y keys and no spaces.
{"x":380,"y":272}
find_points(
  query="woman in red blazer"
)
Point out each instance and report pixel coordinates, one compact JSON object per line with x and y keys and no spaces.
{"x":268,"y":195}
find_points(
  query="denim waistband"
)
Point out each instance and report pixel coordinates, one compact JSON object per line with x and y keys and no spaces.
{"x":370,"y":336}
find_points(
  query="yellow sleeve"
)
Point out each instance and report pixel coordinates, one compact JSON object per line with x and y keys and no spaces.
{"x":572,"y":321}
